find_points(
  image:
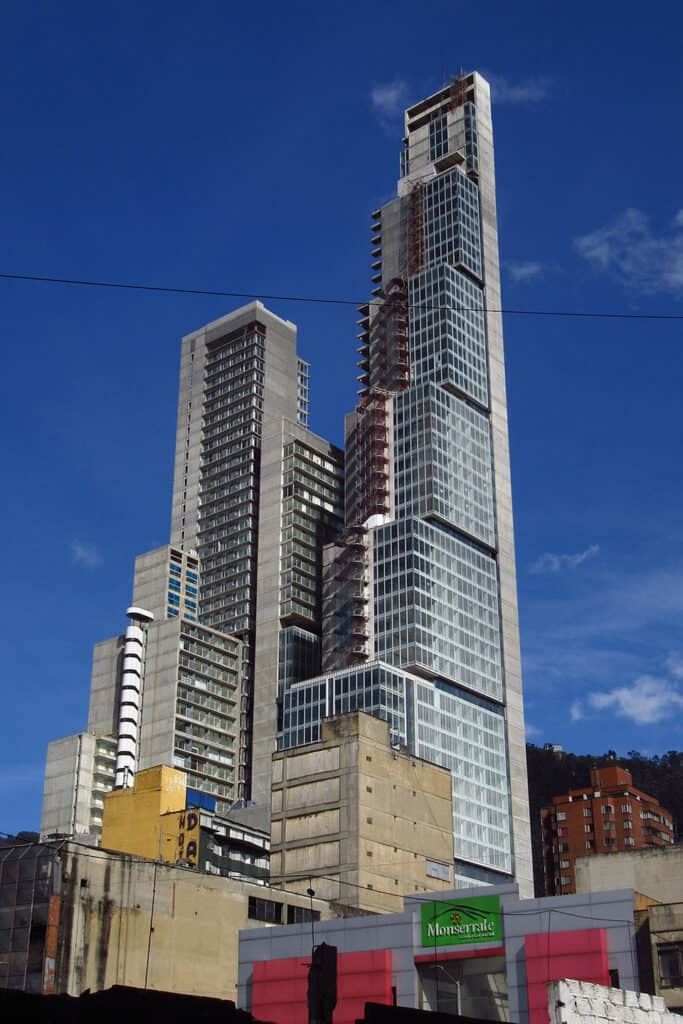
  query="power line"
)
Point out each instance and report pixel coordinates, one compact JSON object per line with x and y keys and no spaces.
{"x":331,"y":301}
{"x":96,"y":853}
{"x":86,"y":851}
{"x":434,"y":897}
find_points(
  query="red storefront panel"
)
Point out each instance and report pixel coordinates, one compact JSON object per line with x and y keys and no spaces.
{"x":279,"y":987}
{"x":554,"y":955}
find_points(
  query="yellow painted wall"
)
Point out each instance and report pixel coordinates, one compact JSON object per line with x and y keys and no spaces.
{"x":147,"y":819}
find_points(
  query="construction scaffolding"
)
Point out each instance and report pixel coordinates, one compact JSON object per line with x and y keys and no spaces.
{"x":415,"y":241}
{"x":346,"y":605}
{"x":368,"y":470}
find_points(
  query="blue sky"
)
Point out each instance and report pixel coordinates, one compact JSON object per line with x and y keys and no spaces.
{"x":211,"y":147}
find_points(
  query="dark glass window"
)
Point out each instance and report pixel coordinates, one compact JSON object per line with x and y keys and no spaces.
{"x":265,"y":910}
{"x":670,"y":958}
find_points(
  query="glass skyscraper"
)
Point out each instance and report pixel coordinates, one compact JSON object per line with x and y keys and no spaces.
{"x":420,"y":606}
{"x":302,"y":581}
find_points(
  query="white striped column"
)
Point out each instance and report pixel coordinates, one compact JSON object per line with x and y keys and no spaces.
{"x":130,"y":699}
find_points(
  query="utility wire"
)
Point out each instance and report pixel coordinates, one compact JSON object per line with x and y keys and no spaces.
{"x":86,"y":851}
{"x":327,"y":301}
{"x":435,"y":897}
{"x":96,"y":853}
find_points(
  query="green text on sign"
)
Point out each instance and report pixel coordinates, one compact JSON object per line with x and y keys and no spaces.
{"x":460,"y":922}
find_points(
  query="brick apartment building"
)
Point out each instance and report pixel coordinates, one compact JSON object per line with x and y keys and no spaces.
{"x":609,"y":816}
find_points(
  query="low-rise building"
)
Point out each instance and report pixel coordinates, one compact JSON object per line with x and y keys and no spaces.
{"x":657,"y":877}
{"x":74,"y":918}
{"x":480,"y":953}
{"x":160,"y":819}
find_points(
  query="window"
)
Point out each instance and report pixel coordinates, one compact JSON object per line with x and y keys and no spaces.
{"x":300,"y":915}
{"x":264,"y":910}
{"x":609,"y":841}
{"x":629,"y":841}
{"x":607,"y":808}
{"x":565,"y":880}
{"x":628,"y":824}
{"x":565,"y":863}
{"x":590,"y":844}
{"x":588,"y":812}
{"x":438,"y":137}
{"x":626,"y":808}
{"x":670,"y":959}
{"x":561,"y":815}
{"x":587,"y":828}
{"x":607,"y":825}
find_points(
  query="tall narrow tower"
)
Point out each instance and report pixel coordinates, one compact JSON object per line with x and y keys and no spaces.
{"x":421,"y":604}
{"x":236,"y":599}
{"x":243,"y":455}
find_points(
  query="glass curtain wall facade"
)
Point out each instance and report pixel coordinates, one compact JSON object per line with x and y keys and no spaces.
{"x":429,"y":539}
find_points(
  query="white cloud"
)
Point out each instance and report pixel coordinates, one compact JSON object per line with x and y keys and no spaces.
{"x":531,"y":730}
{"x":576,"y":711}
{"x":647,"y":701}
{"x":87,"y":555}
{"x":524,"y":90}
{"x":630,"y":251}
{"x":674,"y":663}
{"x":551,"y":563}
{"x":389,"y":98}
{"x":524,"y":270}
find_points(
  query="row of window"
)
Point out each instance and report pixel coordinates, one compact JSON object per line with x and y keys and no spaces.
{"x":271,"y":912}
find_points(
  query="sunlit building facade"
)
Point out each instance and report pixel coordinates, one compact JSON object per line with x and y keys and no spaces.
{"x":420,"y":605}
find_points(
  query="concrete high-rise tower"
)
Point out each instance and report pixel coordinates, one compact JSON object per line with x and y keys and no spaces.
{"x":232,"y":610}
{"x":256,"y":495}
{"x":420,"y":591}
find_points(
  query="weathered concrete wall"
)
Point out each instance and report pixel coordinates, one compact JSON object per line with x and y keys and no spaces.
{"x":657,"y":873}
{"x":359,"y":818}
{"x":579,"y":1002}
{"x":665,"y":926}
{"x":126,"y":921}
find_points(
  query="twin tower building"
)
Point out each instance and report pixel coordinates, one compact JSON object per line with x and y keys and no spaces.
{"x":302,"y":581}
